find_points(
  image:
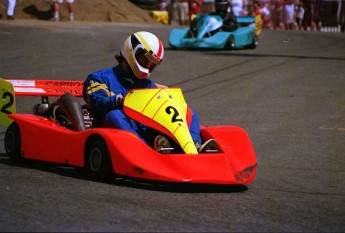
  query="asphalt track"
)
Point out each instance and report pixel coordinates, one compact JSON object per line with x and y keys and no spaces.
{"x":288,"y":94}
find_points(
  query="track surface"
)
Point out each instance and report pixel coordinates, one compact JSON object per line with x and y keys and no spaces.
{"x":288,"y":94}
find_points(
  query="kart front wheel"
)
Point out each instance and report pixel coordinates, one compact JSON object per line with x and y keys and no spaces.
{"x":230,"y":44}
{"x":97,"y":159}
{"x":13,"y":142}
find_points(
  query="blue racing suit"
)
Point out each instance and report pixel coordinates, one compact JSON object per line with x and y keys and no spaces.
{"x":101,"y":90}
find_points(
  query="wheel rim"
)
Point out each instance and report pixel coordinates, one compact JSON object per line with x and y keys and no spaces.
{"x":95,"y":159}
{"x":10,"y":142}
{"x":232,"y":43}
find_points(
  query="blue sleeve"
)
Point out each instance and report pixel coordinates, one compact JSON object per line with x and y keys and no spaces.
{"x":152,"y":85}
{"x":97,"y":94}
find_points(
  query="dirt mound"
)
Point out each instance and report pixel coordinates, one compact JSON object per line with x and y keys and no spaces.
{"x":85,"y":10}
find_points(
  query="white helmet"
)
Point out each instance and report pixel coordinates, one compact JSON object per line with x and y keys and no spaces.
{"x":143,"y":51}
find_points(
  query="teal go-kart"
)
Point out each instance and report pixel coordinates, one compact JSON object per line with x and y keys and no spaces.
{"x":211,"y":36}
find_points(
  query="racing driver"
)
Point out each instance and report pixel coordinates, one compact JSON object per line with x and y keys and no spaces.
{"x":221,"y":9}
{"x":104,"y":91}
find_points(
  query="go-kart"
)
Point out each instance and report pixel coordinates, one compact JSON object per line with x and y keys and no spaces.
{"x":64,"y":131}
{"x":211,"y":36}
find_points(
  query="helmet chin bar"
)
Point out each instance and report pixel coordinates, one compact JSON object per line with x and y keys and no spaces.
{"x":132,"y":75}
{"x":139,"y":71}
{"x":143,"y":72}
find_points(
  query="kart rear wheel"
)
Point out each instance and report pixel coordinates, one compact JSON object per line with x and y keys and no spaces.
{"x":230,"y":44}
{"x":254,"y":44}
{"x":13,"y":142}
{"x":97,"y":159}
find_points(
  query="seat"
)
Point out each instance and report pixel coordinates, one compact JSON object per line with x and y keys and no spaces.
{"x":70,"y":113}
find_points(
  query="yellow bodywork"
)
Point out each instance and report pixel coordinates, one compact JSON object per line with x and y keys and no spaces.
{"x":168,"y":108}
{"x":7,"y":102}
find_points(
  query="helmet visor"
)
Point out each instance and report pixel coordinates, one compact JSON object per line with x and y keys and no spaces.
{"x":147,"y":59}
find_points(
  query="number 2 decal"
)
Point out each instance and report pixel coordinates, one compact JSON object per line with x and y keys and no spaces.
{"x":175,"y":114}
{"x":9,"y":104}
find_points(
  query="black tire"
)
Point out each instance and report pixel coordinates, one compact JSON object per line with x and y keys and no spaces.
{"x":230,"y":44}
{"x":13,"y":142}
{"x":97,"y":160}
{"x":254,"y":44}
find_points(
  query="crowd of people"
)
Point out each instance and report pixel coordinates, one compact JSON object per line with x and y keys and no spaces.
{"x":305,"y":15}
{"x":11,"y":4}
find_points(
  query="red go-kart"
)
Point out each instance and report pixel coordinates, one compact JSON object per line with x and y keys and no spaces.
{"x":65,"y":132}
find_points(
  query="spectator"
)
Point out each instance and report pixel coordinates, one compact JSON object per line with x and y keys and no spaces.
{"x":254,"y":9}
{"x":170,"y":9}
{"x":341,"y":15}
{"x":276,"y":14}
{"x":299,"y":15}
{"x":239,"y":7}
{"x":194,"y":8}
{"x":104,"y":90}
{"x":162,"y":5}
{"x":266,"y":15}
{"x":11,"y":5}
{"x":306,"y":22}
{"x":316,"y":9}
{"x":311,"y":19}
{"x":70,"y":5}
{"x":181,"y":11}
{"x":287,"y":15}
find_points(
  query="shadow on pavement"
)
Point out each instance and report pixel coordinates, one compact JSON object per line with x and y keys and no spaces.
{"x":79,"y":173}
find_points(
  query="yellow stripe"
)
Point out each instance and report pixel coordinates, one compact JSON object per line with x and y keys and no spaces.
{"x":95,"y":86}
{"x":146,"y":45}
{"x":131,"y":58}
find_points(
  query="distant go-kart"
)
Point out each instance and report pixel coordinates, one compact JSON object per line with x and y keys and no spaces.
{"x":64,"y":131}
{"x":211,"y":36}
